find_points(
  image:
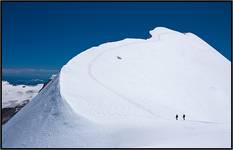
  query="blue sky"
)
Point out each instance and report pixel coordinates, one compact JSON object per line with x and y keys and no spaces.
{"x":45,"y":35}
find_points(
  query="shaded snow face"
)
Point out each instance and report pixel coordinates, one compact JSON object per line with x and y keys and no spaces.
{"x":13,"y":95}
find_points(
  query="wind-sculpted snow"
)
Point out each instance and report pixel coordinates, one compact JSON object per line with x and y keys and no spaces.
{"x":127,"y":93}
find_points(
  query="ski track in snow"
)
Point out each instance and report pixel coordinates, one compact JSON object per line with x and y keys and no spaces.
{"x":112,"y":90}
{"x":123,"y":97}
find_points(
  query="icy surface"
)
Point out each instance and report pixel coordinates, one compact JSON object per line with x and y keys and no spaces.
{"x":13,"y":95}
{"x":127,"y":93}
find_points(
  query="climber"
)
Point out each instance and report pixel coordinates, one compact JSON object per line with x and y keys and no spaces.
{"x":183,"y":116}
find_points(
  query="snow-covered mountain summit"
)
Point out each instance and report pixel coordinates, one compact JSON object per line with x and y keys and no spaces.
{"x":127,"y":93}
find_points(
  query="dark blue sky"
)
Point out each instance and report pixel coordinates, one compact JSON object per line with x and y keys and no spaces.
{"x":45,"y":35}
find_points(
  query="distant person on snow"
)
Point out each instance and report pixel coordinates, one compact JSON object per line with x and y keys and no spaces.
{"x":176,"y":117}
{"x":118,"y":57}
{"x":183,"y":116}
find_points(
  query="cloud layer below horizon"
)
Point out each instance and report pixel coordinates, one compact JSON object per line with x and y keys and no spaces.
{"x":28,"y":72}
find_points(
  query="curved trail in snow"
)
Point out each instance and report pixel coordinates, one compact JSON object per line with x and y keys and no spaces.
{"x":111,"y":89}
{"x":123,"y":97}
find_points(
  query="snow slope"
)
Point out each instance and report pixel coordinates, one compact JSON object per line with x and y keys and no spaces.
{"x":98,"y":100}
{"x":13,"y":95}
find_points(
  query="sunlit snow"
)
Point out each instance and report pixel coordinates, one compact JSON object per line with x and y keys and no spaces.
{"x":99,"y":100}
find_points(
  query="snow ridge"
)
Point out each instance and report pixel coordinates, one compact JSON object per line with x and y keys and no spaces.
{"x":99,"y":100}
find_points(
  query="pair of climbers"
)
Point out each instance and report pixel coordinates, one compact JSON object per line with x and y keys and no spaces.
{"x":183,"y":117}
